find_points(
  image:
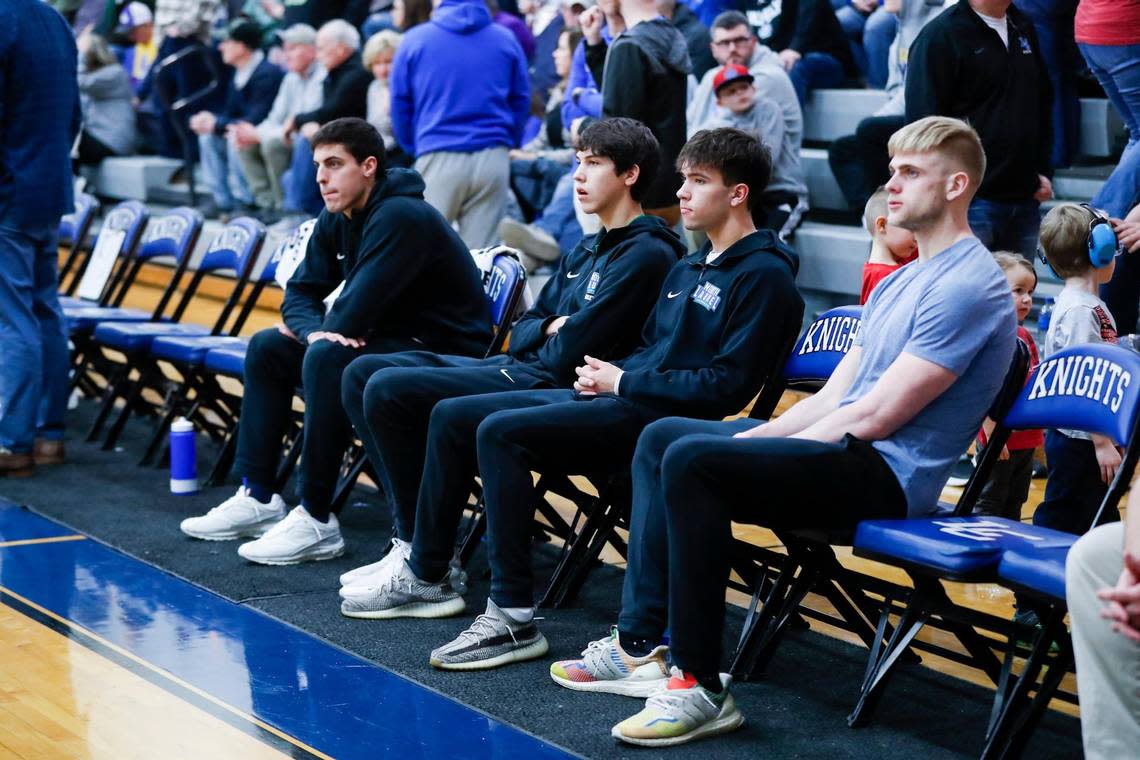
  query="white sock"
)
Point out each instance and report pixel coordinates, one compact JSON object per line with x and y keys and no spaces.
{"x":521,"y":615}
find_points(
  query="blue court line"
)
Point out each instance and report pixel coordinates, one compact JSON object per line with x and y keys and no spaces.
{"x":276,"y":678}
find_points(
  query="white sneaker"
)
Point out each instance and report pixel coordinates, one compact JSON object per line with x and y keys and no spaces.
{"x":240,"y":516}
{"x":297,"y":538}
{"x":363,"y":576}
{"x":401,"y":595}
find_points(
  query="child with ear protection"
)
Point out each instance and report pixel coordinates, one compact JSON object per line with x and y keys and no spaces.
{"x":1079,"y":245}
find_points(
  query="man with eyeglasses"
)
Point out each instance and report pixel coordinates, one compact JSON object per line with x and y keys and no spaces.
{"x":734,"y":43}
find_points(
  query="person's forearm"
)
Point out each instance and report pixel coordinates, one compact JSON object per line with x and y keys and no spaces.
{"x":801,"y":416}
{"x":857,"y":419}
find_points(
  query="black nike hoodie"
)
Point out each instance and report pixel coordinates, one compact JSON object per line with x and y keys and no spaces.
{"x":606,"y":286}
{"x":407,"y":274}
{"x":718,"y":330}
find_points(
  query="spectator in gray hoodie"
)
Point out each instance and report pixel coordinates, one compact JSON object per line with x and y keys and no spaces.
{"x":782,"y":204}
{"x":734,"y":42}
{"x":106,"y":96}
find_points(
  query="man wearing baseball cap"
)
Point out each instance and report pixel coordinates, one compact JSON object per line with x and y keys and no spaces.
{"x":251,"y":93}
{"x":136,"y":23}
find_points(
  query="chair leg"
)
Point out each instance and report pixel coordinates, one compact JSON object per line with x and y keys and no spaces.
{"x":770,"y":638}
{"x":224,"y":461}
{"x":1027,"y":723}
{"x":1012,"y":695}
{"x":883,"y":658}
{"x":106,"y":404}
{"x":289,"y":461}
{"x":131,"y":399}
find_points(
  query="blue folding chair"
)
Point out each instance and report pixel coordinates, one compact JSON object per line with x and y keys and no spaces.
{"x":73,"y":229}
{"x":234,"y":249}
{"x":131,"y":219}
{"x":198,"y":391}
{"x":1030,"y":559}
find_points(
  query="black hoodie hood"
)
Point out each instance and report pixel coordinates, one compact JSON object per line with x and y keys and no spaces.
{"x":664,"y":44}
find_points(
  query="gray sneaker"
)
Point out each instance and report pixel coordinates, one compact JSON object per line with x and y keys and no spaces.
{"x":401,"y":595}
{"x":492,"y":640}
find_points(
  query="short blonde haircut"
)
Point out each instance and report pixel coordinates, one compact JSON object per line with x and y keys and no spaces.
{"x":1065,"y":239}
{"x":876,"y":207}
{"x":952,"y":138}
{"x":1008,"y":260}
{"x":382,"y":42}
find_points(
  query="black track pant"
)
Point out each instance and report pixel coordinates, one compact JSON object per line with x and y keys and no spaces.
{"x":389,"y":400}
{"x":274,"y":366}
{"x":691,"y":479}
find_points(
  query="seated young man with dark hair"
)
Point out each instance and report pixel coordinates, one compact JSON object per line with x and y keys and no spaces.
{"x":723,"y":318}
{"x":878,"y":441}
{"x":391,"y":250}
{"x":595,"y":304}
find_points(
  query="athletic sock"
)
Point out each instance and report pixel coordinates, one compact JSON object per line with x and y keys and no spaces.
{"x":634,"y":646}
{"x":710,"y":682}
{"x":259,"y":492}
{"x":322,"y":517}
{"x":520,"y":615}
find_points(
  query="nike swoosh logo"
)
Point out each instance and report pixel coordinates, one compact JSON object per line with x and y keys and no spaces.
{"x":572,"y":275}
{"x":674,"y":295}
{"x":506,"y":375}
{"x":340,"y":257}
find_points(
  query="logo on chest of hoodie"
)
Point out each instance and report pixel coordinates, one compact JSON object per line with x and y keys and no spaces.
{"x":707,"y":295}
{"x":592,"y":286}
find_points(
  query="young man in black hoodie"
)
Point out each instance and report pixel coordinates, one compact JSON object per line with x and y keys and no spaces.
{"x":391,"y":250}
{"x":723,"y":318}
{"x":644,"y":75}
{"x":594,"y":304}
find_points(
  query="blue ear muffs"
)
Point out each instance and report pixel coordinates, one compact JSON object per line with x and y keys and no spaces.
{"x":1103,"y":245}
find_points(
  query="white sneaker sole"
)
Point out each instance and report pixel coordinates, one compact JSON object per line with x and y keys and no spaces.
{"x":623,"y":688}
{"x":411,"y":610}
{"x":531,"y":651}
{"x":254,"y":531}
{"x":309,"y":555}
{"x":721,"y":725}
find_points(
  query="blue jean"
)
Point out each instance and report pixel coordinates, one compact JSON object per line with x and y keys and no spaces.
{"x":34,"y":370}
{"x":221,"y":167}
{"x":299,"y":183}
{"x":815,"y":71}
{"x":1117,"y":68}
{"x":1053,"y":22}
{"x":558,"y":218}
{"x":1006,"y":225}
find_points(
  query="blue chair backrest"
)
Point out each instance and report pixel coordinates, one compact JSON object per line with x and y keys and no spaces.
{"x":78,"y":221}
{"x":235,"y":247}
{"x":823,"y":345}
{"x":1094,"y":388}
{"x":287,"y":248}
{"x":172,"y":234}
{"x":131,"y":218}
{"x":502,"y":287}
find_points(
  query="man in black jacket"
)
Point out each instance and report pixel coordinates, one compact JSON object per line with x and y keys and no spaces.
{"x":979,"y":61}
{"x":392,"y":251}
{"x":250,"y":96}
{"x":595,"y":303}
{"x":719,"y":330}
{"x":644,"y":76}
{"x":345,"y":95}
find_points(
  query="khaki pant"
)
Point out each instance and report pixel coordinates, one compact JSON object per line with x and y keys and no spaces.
{"x":263,"y":165}
{"x":1108,"y":665}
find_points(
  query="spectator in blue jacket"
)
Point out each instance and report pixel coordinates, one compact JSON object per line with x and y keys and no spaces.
{"x":460,"y":101}
{"x":39,"y":100}
{"x":252,"y":91}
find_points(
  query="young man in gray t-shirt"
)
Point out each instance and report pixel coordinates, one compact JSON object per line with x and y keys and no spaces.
{"x":878,"y":441}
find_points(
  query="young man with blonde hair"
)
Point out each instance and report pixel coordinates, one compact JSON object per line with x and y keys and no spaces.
{"x":936,"y":339}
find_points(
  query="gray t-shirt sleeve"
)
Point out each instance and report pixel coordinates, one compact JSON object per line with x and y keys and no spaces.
{"x":1073,"y":327}
{"x":950,"y":325}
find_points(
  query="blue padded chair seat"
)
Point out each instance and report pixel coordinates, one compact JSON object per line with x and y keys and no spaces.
{"x":227,"y":361}
{"x":137,"y":337}
{"x":950,"y":546}
{"x":1040,"y":569}
{"x":84,"y":319}
{"x":192,"y":350}
{"x":71,"y":302}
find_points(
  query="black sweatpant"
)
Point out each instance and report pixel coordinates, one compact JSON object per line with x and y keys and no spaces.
{"x":860,"y":161}
{"x":559,"y":431}
{"x":691,"y":479}
{"x":275,"y":365}
{"x":1073,"y":490}
{"x":389,"y":400}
